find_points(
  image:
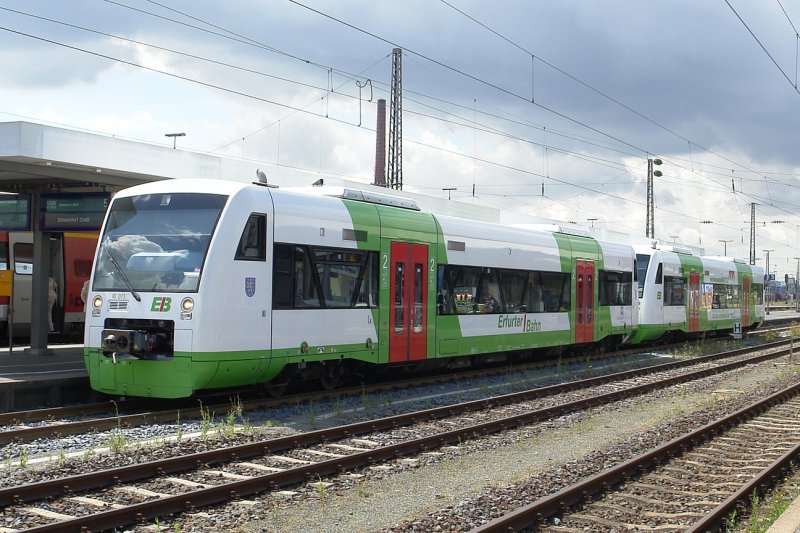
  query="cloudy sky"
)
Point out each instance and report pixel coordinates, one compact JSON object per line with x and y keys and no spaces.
{"x":546,"y":108}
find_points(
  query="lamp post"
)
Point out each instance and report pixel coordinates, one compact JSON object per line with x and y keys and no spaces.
{"x":650,"y":230}
{"x":174,"y":138}
{"x":766,"y":283}
{"x":725,"y":242}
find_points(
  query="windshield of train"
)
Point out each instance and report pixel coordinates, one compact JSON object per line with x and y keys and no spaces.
{"x":156,"y":242}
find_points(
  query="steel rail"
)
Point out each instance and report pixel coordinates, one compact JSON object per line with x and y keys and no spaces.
{"x":717,"y":518}
{"x":138,"y":419}
{"x":220,"y":493}
{"x":544,"y":508}
{"x":38,"y":490}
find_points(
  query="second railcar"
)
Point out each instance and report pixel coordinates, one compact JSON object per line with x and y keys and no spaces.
{"x":70,"y":260}
{"x":685,"y":295}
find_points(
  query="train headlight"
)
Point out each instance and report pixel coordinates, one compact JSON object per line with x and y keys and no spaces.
{"x":97,"y":302}
{"x":187,"y":304}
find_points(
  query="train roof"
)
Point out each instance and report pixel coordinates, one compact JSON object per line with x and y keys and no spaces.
{"x":359,"y":195}
{"x":198,"y":185}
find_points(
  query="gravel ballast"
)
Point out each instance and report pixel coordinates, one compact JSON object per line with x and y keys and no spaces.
{"x":462,"y":480}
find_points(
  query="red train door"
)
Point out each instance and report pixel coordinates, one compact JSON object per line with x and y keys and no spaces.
{"x":408,"y":335}
{"x":584,"y":301}
{"x":694,"y":301}
{"x":745,"y":299}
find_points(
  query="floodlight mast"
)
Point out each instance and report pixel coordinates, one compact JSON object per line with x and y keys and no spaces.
{"x":650,"y":230}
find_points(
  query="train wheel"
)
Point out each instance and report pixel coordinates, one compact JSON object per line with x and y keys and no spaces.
{"x":330,"y":375}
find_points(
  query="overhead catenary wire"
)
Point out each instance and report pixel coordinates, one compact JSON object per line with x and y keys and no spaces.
{"x":256,"y":43}
{"x":764,"y":48}
{"x":796,"y":42}
{"x":545,"y":145}
{"x":497,"y":87}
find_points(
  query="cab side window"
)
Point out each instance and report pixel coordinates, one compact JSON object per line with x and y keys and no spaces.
{"x":253,"y":243}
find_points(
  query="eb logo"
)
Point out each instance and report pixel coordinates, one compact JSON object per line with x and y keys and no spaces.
{"x":161,"y":304}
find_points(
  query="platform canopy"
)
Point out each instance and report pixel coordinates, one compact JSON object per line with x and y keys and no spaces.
{"x":35,"y":157}
{"x":40,"y":160}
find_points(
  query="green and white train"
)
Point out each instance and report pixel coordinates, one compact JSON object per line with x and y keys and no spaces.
{"x":681,"y":294}
{"x":202,"y":284}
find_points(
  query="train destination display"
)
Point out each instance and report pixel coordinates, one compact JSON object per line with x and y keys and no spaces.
{"x":73,"y":211}
{"x":15,"y":212}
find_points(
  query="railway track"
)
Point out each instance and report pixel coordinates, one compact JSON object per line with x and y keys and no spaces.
{"x":120,"y":496}
{"x":693,"y":483}
{"x":29,"y":425}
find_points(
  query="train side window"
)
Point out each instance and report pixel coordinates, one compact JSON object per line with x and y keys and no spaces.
{"x":282,"y":282}
{"x":658,"y":274}
{"x":556,"y":291}
{"x":757,"y":294}
{"x":23,"y":258}
{"x":489,"y":297}
{"x":461,"y":284}
{"x":253,"y":243}
{"x":512,"y":285}
{"x":674,"y":291}
{"x":706,"y":296}
{"x":444,"y":302}
{"x":306,"y":284}
{"x":615,"y":288}
{"x":368,"y":291}
{"x":534,"y":299}
{"x":725,"y":296}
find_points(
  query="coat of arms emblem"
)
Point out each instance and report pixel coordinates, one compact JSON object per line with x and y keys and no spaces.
{"x":249,"y":287}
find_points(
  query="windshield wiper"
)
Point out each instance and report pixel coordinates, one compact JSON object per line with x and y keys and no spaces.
{"x":122,"y":273}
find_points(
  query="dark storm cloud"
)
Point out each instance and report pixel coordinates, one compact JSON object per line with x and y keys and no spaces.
{"x":690,"y":66}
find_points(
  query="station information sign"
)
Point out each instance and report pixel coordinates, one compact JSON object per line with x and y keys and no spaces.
{"x":15,"y":212}
{"x":82,"y":211}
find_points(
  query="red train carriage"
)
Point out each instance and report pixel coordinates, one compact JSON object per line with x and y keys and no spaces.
{"x":71,"y":256}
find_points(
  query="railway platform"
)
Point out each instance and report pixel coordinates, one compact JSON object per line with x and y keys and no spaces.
{"x":29,"y":381}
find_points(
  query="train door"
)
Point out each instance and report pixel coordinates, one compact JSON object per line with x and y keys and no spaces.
{"x":584,"y":301}
{"x":408,"y":336}
{"x":694,"y":301}
{"x":21,"y":251}
{"x":77,"y":253}
{"x":744,"y":298}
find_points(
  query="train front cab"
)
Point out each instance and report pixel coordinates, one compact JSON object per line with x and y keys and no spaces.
{"x":662,"y":306}
{"x":146,"y":314}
